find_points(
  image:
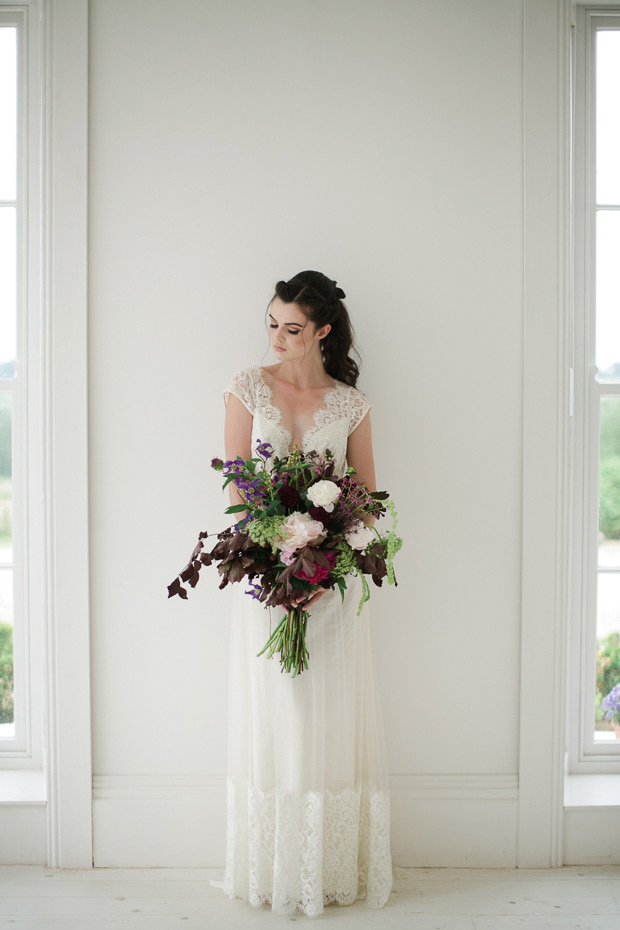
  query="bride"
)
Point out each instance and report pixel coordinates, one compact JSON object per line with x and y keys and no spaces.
{"x":307,"y":794}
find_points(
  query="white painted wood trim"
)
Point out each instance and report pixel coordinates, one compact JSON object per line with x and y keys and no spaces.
{"x":546,"y":472}
{"x":67,"y":643}
{"x":176,"y":820}
{"x":586,"y":755}
{"x":180,"y":787}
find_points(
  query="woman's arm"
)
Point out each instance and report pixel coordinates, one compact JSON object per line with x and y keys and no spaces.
{"x":359,"y":453}
{"x":237,"y":438}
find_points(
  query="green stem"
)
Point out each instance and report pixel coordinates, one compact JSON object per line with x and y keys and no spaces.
{"x":289,"y":639}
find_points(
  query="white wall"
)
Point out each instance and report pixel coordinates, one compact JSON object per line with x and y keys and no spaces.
{"x":234,"y":143}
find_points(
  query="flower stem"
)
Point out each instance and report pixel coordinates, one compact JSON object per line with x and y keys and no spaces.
{"x":289,"y":639}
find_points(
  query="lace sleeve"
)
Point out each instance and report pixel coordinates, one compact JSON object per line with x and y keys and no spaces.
{"x":358,"y":406}
{"x":243,"y":387}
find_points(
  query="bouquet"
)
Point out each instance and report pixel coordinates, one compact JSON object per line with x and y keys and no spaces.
{"x":303,"y":529}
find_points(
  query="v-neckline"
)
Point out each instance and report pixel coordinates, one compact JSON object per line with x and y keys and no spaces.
{"x":279,"y":415}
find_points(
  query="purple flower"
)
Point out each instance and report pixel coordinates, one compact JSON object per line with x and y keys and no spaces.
{"x":217,"y":464}
{"x":264,"y":449}
{"x":234,"y":466}
{"x":611,"y":703}
{"x":254,"y":590}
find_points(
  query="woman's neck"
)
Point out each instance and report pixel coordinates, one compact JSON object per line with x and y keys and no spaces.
{"x":303,"y":374}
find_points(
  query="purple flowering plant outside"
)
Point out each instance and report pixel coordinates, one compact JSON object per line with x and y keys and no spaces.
{"x":301,"y":528}
{"x":611,"y":704}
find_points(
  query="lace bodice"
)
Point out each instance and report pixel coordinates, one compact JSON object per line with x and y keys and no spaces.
{"x":343,"y":408}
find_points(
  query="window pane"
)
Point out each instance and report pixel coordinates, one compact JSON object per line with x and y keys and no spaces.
{"x":608,"y":295}
{"x":609,"y":483}
{"x":608,"y":647}
{"x":608,"y":116}
{"x":6,"y":490}
{"x":8,"y":112}
{"x":7,"y":710}
{"x":608,"y":593}
{"x":8,"y":293}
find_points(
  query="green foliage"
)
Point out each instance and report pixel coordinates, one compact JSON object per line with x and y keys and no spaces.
{"x":6,"y":673}
{"x":5,"y":435}
{"x":609,"y":482}
{"x":607,"y":668}
{"x":345,"y":563}
{"x":610,"y":427}
{"x":609,"y":497}
{"x":266,"y":532}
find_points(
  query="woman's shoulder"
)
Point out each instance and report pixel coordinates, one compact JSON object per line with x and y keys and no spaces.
{"x":354,"y":394}
{"x":245,"y":384}
{"x":352,"y":403}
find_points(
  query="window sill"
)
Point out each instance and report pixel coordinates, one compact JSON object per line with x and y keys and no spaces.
{"x":587,"y":791}
{"x":22,"y":786}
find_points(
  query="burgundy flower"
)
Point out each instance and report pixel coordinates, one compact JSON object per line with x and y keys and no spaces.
{"x":319,"y":513}
{"x":320,"y":571}
{"x":289,"y":496}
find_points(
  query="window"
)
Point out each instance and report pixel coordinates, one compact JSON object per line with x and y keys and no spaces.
{"x":20,"y":379}
{"x":595,"y":665}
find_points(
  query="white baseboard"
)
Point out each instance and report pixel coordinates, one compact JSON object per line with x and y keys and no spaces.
{"x":23,"y":833}
{"x":180,"y":821}
{"x":592,"y":836}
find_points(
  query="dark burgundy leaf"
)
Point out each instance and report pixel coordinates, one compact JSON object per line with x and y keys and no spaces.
{"x":199,"y":547}
{"x":174,"y":587}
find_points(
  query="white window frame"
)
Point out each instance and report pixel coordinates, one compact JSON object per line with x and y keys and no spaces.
{"x":57,"y":466}
{"x":585,"y":755}
{"x":24,"y":749}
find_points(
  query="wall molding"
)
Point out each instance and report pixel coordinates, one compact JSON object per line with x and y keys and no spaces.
{"x":66,"y":648}
{"x":546,"y":472}
{"x":180,"y":787}
{"x":180,"y":820}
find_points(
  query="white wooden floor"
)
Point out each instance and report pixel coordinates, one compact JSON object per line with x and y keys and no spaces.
{"x":579,"y":898}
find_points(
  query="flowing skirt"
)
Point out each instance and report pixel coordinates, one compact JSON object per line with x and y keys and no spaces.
{"x":308,"y":800}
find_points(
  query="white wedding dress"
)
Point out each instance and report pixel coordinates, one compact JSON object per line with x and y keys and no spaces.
{"x":308,"y":800}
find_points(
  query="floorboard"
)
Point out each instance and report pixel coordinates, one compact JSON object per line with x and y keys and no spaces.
{"x":577,"y":898}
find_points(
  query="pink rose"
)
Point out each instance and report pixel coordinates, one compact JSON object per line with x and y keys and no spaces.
{"x":299,"y":531}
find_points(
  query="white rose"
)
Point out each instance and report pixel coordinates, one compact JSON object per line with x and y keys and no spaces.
{"x":299,"y":531}
{"x":324,"y":494}
{"x":360,"y":536}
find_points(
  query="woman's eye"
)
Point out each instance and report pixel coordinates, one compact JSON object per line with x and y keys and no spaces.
{"x":291,"y":332}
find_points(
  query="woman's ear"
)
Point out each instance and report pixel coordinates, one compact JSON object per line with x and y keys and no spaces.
{"x":324,"y":330}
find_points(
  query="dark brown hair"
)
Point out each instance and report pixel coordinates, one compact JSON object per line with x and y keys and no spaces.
{"x":322,"y":302}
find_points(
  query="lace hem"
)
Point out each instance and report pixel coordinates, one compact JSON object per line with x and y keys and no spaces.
{"x":306,"y":851}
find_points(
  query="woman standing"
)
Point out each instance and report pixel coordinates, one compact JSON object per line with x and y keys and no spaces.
{"x":308,"y":801}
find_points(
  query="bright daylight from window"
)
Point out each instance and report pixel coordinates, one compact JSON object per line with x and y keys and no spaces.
{"x":608,"y":364}
{"x":8,"y":312}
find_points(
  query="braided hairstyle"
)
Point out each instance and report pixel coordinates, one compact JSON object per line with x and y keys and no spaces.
{"x":321,"y":300}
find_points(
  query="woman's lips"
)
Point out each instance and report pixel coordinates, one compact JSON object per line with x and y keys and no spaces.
{"x":279,"y":349}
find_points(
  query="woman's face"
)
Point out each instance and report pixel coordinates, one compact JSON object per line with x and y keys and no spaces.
{"x":291,"y":333}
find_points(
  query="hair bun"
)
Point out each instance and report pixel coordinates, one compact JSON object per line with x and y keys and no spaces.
{"x":339,"y":293}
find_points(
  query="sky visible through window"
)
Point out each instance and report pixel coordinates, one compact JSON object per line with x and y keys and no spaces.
{"x":8,"y":191}
{"x":607,"y":324}
{"x":608,"y":194}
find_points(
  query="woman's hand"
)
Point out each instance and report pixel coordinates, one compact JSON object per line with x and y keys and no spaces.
{"x":300,"y":598}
